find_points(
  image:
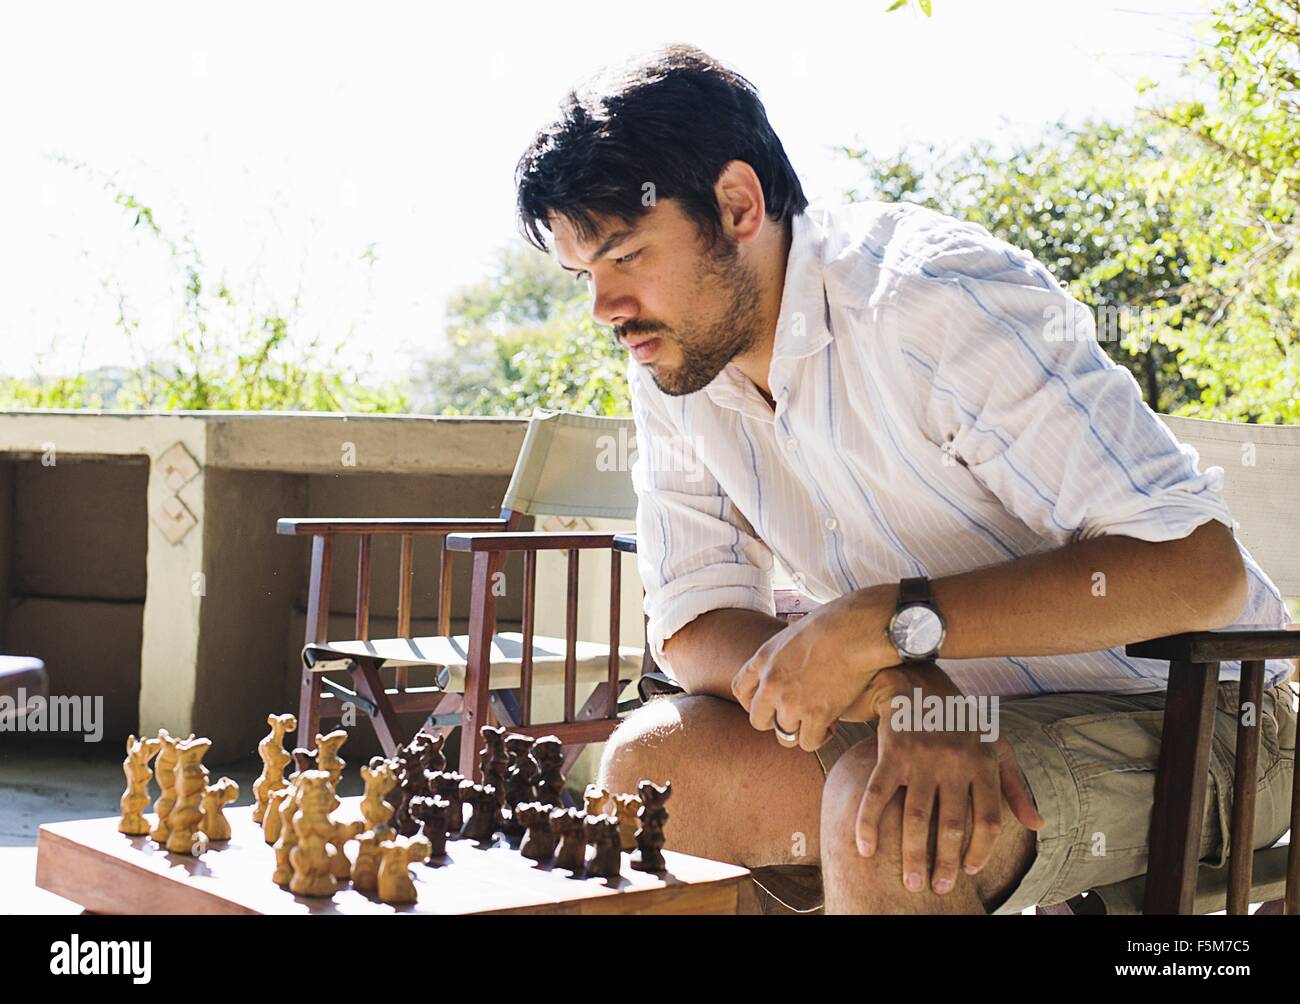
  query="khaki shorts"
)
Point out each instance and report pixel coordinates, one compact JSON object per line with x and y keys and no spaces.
{"x":1090,"y":761}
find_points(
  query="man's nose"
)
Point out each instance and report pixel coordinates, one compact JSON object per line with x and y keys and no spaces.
{"x":611,"y":307}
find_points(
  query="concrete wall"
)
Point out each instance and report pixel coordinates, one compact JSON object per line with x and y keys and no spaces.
{"x":138,"y":553}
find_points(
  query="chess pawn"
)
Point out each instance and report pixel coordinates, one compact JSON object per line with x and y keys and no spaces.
{"x":343,"y":832}
{"x":597,"y":800}
{"x":539,"y":840}
{"x":548,"y":754}
{"x":568,"y":826}
{"x":185,"y":836}
{"x":327,"y":755}
{"x":136,"y":797}
{"x":215,"y":799}
{"x":310,"y":858}
{"x":379,"y":780}
{"x":626,"y":807}
{"x":493,"y":761}
{"x":395,"y":885}
{"x":446,"y":784}
{"x":602,"y":834}
{"x":164,"y":775}
{"x":288,"y":836}
{"x":275,"y":758}
{"x":410,"y":778}
{"x":650,"y":836}
{"x":435,"y":760}
{"x":365,"y":870}
{"x":303,"y":761}
{"x":521,"y":780}
{"x":271,"y":818}
{"x":485,"y":814}
{"x":431,"y":811}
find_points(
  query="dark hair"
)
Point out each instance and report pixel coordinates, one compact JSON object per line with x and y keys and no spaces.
{"x":673,"y":118}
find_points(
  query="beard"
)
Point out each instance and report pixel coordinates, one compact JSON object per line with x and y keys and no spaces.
{"x":707,"y":347}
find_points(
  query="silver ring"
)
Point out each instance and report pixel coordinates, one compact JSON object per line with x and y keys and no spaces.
{"x":790,"y":737}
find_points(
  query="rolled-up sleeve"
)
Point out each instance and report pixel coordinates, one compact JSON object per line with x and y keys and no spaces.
{"x":695,"y":551}
{"x":1016,"y":381}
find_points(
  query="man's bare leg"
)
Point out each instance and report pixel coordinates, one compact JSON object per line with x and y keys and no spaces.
{"x":738,"y":795}
{"x":854,"y":884}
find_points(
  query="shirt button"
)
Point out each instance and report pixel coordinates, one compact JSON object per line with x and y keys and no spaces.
{"x":792,"y":444}
{"x":831,"y":523}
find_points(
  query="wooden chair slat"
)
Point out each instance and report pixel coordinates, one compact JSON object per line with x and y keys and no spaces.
{"x":529,"y":627}
{"x":444,"y":589}
{"x":363,"y":589}
{"x":318,"y":616}
{"x":615,"y":617}
{"x":571,"y":638}
{"x":1181,"y":781}
{"x":406,"y":580}
{"x":1242,"y":833}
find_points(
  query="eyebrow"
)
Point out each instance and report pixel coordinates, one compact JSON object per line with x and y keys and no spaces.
{"x":613,"y":240}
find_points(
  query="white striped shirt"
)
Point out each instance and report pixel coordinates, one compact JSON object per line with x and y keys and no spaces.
{"x":929,"y":420}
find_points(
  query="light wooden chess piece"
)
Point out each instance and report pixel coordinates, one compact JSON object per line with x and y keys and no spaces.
{"x":378,"y":814}
{"x":186,"y":837}
{"x":288,"y":836}
{"x":597,"y":800}
{"x":136,"y":797}
{"x":271,"y":820}
{"x":395,"y":885}
{"x":215,"y":799}
{"x":164,"y":775}
{"x":275,"y":758}
{"x":327,"y":754}
{"x":311,"y":857}
{"x":343,"y":832}
{"x":627,"y":807}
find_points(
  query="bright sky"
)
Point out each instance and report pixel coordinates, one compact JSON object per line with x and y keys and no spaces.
{"x":290,"y":137}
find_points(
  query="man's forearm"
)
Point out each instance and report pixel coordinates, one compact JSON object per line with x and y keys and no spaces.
{"x":1087,"y":596}
{"x":708,"y":652}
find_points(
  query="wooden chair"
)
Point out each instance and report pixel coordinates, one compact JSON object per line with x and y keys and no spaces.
{"x":484,"y":676}
{"x":1261,"y":483}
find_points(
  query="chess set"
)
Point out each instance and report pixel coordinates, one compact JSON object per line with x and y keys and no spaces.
{"x":427,"y":840}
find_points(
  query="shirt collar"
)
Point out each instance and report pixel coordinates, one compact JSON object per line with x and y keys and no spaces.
{"x":802,"y":327}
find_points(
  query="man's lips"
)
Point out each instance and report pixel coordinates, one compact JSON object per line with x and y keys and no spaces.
{"x":643,"y":348}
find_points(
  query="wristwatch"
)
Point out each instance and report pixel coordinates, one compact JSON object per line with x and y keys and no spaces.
{"x":917,"y":629}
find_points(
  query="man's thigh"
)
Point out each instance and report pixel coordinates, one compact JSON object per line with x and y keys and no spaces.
{"x":738,"y":795}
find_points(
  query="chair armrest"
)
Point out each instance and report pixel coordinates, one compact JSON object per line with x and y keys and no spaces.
{"x":1220,"y":646}
{"x":295,"y":526}
{"x":528,"y":541}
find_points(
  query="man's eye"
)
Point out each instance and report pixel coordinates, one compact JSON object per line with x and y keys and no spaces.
{"x":581,"y":276}
{"x":627,"y":258}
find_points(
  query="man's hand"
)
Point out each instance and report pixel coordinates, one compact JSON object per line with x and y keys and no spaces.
{"x":815,"y":672}
{"x":959,"y":770}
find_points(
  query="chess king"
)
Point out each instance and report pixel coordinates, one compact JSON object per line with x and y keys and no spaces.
{"x":879,"y":395}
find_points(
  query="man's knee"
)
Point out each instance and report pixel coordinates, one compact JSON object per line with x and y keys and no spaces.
{"x":655,"y":741}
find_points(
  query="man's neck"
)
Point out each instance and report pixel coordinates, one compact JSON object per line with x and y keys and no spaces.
{"x":770,"y":262}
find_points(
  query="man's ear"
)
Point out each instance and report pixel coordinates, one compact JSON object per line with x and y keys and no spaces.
{"x":740,"y":201}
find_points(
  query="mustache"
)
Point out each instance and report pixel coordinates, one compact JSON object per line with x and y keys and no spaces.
{"x":639,"y":328}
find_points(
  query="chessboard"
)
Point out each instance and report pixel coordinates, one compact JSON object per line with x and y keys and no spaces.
{"x":89,"y":862}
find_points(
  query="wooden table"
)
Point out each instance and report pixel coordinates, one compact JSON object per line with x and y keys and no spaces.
{"x":90,"y":863}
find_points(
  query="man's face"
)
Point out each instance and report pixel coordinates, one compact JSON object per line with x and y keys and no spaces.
{"x":682,"y":309}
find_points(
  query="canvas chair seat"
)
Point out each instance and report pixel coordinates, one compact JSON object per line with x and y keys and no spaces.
{"x":1268,"y":882}
{"x":452,"y":653}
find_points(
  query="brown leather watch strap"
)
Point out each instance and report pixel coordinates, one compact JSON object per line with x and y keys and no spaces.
{"x":915,"y":590}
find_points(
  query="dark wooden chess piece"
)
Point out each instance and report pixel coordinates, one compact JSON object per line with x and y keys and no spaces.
{"x":493,"y":761}
{"x":303,"y":761}
{"x":409,"y":769}
{"x":521,"y":780}
{"x":485,"y":815}
{"x":432,"y":812}
{"x":650,"y":835}
{"x":602,"y":834}
{"x":446,"y":784}
{"x":568,"y":825}
{"x":539,"y":842}
{"x":435,"y":760}
{"x":548,"y":754}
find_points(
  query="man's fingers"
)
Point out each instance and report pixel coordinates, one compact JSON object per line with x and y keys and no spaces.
{"x":953,"y":799}
{"x":881,"y":786}
{"x":745,"y":682}
{"x":1016,"y":790}
{"x":986,"y":821}
{"x":762,"y":710}
{"x":918,"y":806}
{"x":813,"y":733}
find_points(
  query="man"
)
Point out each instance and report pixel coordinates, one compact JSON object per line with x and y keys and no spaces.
{"x":917,"y":421}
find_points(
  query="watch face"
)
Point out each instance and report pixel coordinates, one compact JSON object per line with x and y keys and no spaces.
{"x":917,"y":631}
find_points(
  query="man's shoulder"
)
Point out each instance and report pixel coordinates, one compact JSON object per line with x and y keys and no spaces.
{"x":871,"y":247}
